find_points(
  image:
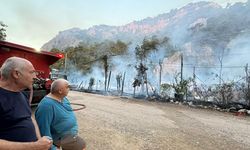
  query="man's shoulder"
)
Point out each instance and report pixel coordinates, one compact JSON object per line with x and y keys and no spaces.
{"x":9,"y":97}
{"x":4,"y":92}
{"x":46,"y":101}
{"x":45,"y":104}
{"x":66,"y":100}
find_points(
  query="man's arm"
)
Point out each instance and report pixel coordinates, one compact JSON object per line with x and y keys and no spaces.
{"x":42,"y":144}
{"x":38,"y":134}
{"x":44,"y":116}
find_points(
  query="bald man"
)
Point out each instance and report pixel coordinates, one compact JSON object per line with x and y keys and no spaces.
{"x":18,"y":130}
{"x":56,"y":118}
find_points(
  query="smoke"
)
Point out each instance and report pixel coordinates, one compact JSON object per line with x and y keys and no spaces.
{"x":218,"y":42}
{"x":206,"y":63}
{"x":238,"y":56}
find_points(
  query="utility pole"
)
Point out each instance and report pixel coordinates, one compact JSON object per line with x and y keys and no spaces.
{"x":160,"y":64}
{"x":194,"y":73}
{"x":248,"y":86}
{"x":221,"y":64}
{"x":194,"y":76}
{"x":246,"y":70}
{"x":194,"y":82}
{"x":181,"y":67}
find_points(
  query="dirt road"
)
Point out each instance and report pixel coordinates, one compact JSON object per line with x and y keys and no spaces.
{"x":113,"y":123}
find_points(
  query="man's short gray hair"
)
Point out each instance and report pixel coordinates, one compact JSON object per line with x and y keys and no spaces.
{"x":56,"y":85}
{"x":10,"y":64}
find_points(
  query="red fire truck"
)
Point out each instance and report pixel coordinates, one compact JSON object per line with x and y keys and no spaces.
{"x":41,"y":61}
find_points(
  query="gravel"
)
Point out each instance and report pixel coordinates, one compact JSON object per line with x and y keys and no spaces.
{"x":114,"y":123}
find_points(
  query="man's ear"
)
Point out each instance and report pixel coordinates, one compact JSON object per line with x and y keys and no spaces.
{"x":15,"y":74}
{"x":60,"y":91}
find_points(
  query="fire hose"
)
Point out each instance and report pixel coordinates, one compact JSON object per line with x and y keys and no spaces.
{"x":76,"y":109}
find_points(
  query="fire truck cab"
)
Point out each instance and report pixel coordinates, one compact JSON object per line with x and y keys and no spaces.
{"x":41,"y":61}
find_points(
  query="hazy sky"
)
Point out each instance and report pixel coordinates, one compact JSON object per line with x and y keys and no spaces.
{"x":34,"y":22}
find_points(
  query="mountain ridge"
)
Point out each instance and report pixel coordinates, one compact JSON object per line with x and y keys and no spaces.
{"x":161,"y":24}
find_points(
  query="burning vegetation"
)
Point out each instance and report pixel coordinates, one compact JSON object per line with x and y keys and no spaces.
{"x":155,"y":70}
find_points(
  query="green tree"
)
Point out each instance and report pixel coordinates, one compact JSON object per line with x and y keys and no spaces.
{"x":85,"y":55}
{"x":152,"y":44}
{"x":60,"y":63}
{"x":2,"y":31}
{"x":118,"y":47}
{"x":180,"y":86}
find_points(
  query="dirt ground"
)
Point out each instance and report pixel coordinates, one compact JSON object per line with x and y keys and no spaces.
{"x":114,"y":123}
